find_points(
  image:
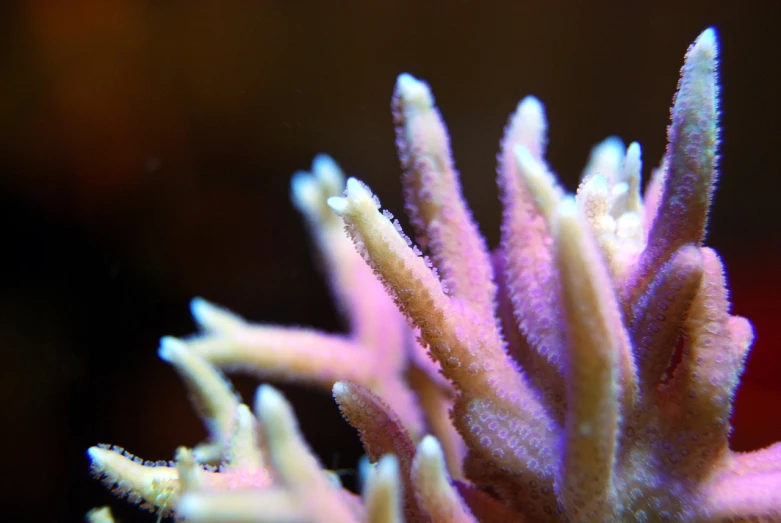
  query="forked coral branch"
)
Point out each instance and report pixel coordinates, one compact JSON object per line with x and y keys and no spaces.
{"x":588,"y":365}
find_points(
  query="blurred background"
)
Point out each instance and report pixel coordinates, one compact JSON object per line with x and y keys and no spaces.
{"x":146,"y":150}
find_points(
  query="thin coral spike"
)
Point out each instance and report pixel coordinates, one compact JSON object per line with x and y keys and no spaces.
{"x":244,"y":449}
{"x":380,"y":429}
{"x":154,"y":487}
{"x":631,"y":174}
{"x":309,"y":192}
{"x":434,"y":491}
{"x":210,"y":391}
{"x":596,"y":346}
{"x":291,"y":457}
{"x":577,"y":256}
{"x":434,"y":200}
{"x":294,"y":464}
{"x":469,"y":349}
{"x":381,"y":433}
{"x":157,"y":486}
{"x":371,"y":315}
{"x":532,"y":282}
{"x":606,"y":159}
{"x":374,"y":321}
{"x":190,"y":473}
{"x":690,"y":162}
{"x":383,"y":492}
{"x":279,"y":352}
{"x":289,"y":354}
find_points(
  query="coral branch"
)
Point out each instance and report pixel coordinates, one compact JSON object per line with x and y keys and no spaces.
{"x":709,"y":371}
{"x":382,"y":433}
{"x":658,"y":316}
{"x":279,"y":352}
{"x":374,"y":321}
{"x":596,"y":343}
{"x":469,"y":351}
{"x":532,"y":281}
{"x":435,"y":493}
{"x":383,"y":492}
{"x":211,"y":393}
{"x":294,"y":464}
{"x":434,"y":201}
{"x":690,"y":163}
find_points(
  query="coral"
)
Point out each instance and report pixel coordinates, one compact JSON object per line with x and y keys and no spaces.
{"x":588,"y":364}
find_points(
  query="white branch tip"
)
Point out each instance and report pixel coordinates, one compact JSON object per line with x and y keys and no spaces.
{"x":338,"y":204}
{"x":414,"y":93}
{"x":531,"y":112}
{"x":430,"y":451}
{"x":328,"y":173}
{"x":340,"y":389}
{"x":606,"y":158}
{"x":171,"y":349}
{"x":705,"y":47}
{"x":356,"y":195}
{"x":210,"y":317}
{"x":270,"y":404}
{"x":304,"y":192}
{"x":529,"y":126}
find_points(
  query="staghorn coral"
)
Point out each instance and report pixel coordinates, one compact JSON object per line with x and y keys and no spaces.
{"x":588,"y":364}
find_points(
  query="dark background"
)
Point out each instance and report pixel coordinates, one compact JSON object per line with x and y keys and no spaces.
{"x":145,"y":155}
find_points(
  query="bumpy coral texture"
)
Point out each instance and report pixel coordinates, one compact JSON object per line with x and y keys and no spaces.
{"x":583,"y":371}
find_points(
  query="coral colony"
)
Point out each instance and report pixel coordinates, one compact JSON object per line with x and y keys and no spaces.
{"x":583,"y":371}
